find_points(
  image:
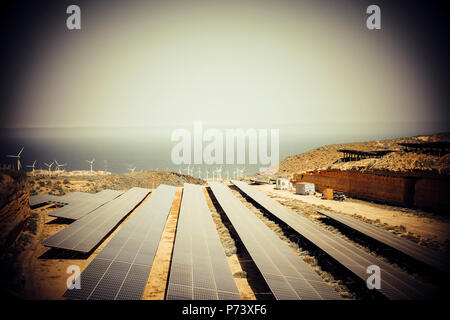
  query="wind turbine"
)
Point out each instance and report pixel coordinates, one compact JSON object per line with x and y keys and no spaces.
{"x":58,"y":166}
{"x":49,"y":167}
{"x":241,"y":172}
{"x":32,"y":166}
{"x":132,"y":169}
{"x":199,"y":172}
{"x":219,"y":173}
{"x":188,"y":169}
{"x":19,"y":165}
{"x":91,"y":163}
{"x":179,"y":169}
{"x":228,"y":174}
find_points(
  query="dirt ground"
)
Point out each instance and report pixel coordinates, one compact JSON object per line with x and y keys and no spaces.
{"x":157,"y":280}
{"x":428,"y":226}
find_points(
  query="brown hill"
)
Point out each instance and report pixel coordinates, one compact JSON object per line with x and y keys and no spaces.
{"x":328,"y":157}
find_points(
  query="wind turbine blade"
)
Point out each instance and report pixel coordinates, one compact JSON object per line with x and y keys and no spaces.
{"x":20,"y":151}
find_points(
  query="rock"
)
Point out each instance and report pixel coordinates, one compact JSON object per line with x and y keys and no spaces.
{"x":15,"y":211}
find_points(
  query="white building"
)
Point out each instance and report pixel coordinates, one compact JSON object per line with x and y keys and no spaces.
{"x":283,"y":184}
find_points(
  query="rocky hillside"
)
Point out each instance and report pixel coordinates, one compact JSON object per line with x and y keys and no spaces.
{"x":14,"y":208}
{"x":327,"y":157}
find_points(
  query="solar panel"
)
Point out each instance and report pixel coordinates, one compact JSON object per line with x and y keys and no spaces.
{"x":76,"y":210}
{"x":120,"y":271}
{"x":68,"y":198}
{"x":395,"y":284}
{"x":286,"y":274}
{"x":76,"y":196}
{"x":84,"y":234}
{"x":426,"y":255}
{"x":199,"y":269}
{"x":39,"y":199}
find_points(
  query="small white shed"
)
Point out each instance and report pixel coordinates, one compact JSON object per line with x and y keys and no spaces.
{"x":305,"y":188}
{"x":283,"y":184}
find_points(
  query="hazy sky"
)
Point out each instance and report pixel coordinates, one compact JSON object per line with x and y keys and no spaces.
{"x":172,"y":62}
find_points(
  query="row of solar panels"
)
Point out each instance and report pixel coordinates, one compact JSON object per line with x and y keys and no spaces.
{"x":85,"y":234}
{"x":42,"y":199}
{"x":199,"y":268}
{"x":77,"y":210}
{"x":286,"y":274}
{"x":395,"y":283}
{"x":425,"y":255}
{"x":73,"y":198}
{"x":121,"y":269}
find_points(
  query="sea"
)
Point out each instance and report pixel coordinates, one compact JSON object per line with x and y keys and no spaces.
{"x":116,"y":149}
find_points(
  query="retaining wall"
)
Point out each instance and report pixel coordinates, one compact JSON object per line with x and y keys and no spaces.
{"x":422,"y":192}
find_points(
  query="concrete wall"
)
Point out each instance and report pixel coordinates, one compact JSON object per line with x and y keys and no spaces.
{"x":429,"y":193}
{"x":432,"y":194}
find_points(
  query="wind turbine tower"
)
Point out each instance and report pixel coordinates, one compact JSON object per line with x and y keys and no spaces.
{"x":49,"y":166}
{"x":91,"y":163}
{"x":219,"y":173}
{"x":188,"y":170}
{"x":59,"y":166}
{"x":241,"y":172}
{"x":32,"y":166}
{"x":19,"y":165}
